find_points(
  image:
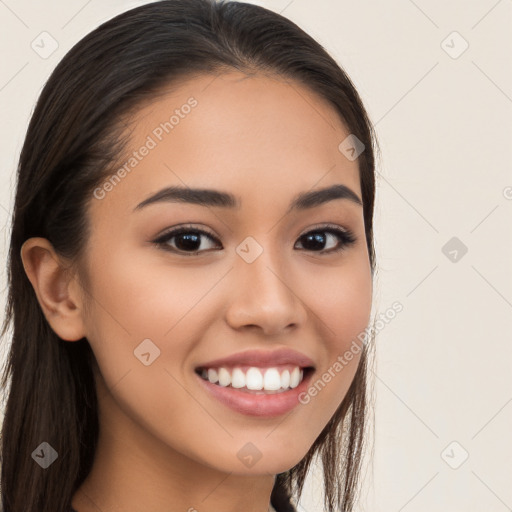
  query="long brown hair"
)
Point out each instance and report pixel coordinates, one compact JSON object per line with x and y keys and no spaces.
{"x":73,"y":138}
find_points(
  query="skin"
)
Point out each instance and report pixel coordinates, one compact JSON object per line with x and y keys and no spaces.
{"x":165,"y":444}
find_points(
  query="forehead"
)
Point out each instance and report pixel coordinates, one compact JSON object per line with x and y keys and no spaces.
{"x":247,"y":134}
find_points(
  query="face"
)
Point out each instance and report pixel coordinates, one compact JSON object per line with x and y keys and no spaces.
{"x":258,"y":276}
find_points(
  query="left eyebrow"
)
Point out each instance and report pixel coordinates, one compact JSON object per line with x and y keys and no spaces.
{"x":313,"y":198}
{"x":217,"y":198}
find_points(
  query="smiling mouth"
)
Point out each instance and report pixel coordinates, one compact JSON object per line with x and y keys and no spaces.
{"x":254,"y":379}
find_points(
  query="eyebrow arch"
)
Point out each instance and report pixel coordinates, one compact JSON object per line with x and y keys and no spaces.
{"x":210,"y":197}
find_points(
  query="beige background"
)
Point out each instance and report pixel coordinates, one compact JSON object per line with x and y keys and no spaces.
{"x":444,"y":120}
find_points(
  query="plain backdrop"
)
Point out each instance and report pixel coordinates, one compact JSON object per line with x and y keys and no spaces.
{"x":436,"y":78}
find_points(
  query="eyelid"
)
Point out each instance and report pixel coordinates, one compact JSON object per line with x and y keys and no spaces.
{"x":326,"y":226}
{"x":349,"y":237}
{"x":176,"y":228}
{"x":183,"y":228}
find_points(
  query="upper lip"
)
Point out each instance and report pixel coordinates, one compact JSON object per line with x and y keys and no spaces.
{"x":261,"y":358}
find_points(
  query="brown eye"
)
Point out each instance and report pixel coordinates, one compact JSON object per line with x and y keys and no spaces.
{"x":187,"y":240}
{"x":316,"y":240}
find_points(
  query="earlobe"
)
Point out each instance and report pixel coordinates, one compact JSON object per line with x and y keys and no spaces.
{"x":52,"y":281}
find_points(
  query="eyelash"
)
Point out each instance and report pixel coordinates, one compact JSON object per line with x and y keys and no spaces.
{"x":346,"y":237}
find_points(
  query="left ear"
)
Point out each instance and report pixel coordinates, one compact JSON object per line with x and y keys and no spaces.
{"x":55,"y":287}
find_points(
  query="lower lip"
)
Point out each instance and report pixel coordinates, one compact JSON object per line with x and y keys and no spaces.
{"x":258,"y":405}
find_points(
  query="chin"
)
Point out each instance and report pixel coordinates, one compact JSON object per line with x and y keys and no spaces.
{"x":251,"y":461}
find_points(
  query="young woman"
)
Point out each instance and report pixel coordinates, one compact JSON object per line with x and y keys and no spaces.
{"x":190,"y":270}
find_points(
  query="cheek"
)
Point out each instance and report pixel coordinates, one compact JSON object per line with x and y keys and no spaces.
{"x":141,"y":313}
{"x":341,"y":304}
{"x":137,"y":299}
{"x":351,"y":306}
{"x":143,"y":297}
{"x":342,"y":301}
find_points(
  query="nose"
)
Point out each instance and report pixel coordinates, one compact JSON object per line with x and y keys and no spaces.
{"x":265,"y":296}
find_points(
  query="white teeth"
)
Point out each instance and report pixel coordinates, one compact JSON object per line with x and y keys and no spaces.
{"x":212,"y":375}
{"x":285,"y":379}
{"x":295,"y":377}
{"x":272,"y":380}
{"x":224,"y":377}
{"x":238,"y":379}
{"x":256,"y":379}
